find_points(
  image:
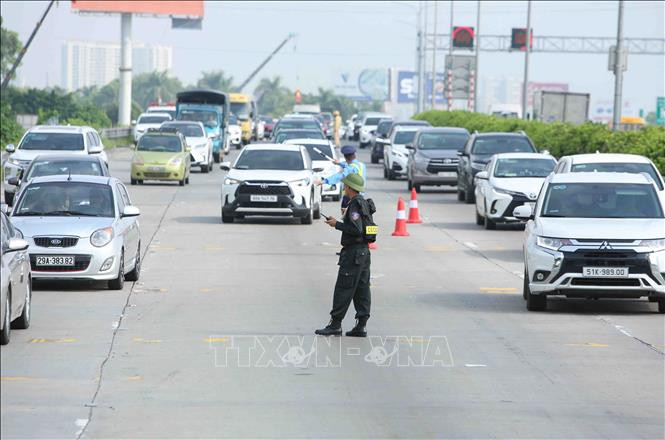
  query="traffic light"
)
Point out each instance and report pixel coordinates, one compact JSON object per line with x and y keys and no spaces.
{"x":463,"y":37}
{"x":518,"y":39}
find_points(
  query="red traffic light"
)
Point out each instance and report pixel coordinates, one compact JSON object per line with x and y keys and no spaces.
{"x":463,"y":37}
{"x":518,"y":39}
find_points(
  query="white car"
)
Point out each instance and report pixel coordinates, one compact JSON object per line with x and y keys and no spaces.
{"x":273,"y":180}
{"x":395,"y":153}
{"x":349,"y":127}
{"x":80,"y":228}
{"x":322,"y":151}
{"x":200,"y":145}
{"x":170,"y":109}
{"x":594,"y":235}
{"x":368,"y":124}
{"x":43,"y":139}
{"x":235,"y":132}
{"x":148,"y":120}
{"x":508,"y":181}
{"x":15,"y":281}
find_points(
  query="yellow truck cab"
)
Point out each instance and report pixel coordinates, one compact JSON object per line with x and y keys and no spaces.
{"x":245,"y":109}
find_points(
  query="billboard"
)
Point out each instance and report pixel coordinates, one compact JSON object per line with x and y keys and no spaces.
{"x":363,"y":84}
{"x":192,"y":8}
{"x":407,"y":87}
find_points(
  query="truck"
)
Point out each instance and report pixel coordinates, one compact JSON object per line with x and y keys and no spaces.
{"x":211,"y":108}
{"x":549,"y":106}
{"x":245,"y":109}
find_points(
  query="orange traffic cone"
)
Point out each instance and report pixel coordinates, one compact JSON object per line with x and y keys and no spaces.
{"x":414,"y":213}
{"x":400,"y":222}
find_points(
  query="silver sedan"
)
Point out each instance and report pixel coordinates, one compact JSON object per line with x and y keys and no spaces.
{"x":80,"y":227}
{"x":15,"y":281}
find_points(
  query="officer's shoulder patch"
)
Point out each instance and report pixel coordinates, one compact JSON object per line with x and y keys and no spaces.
{"x":355,"y":215}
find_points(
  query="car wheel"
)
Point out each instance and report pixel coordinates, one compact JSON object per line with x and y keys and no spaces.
{"x":204,"y":169}
{"x":479,"y":219}
{"x":317,"y":212}
{"x":409,"y":184}
{"x":181,"y":182}
{"x":525,"y":283}
{"x":661,"y":306}
{"x":534,"y":303}
{"x":23,"y":321}
{"x":227,"y":218}
{"x":216,"y":158}
{"x":140,"y":182}
{"x":489,"y":224}
{"x":417,"y":187}
{"x":187,"y":180}
{"x":9,"y":198}
{"x":307,"y":220}
{"x":385,"y":171}
{"x":132,"y":181}
{"x":336,"y":198}
{"x":119,"y":282}
{"x":6,"y":324}
{"x":136,"y":272}
{"x":391,"y":175}
{"x":469,"y":196}
{"x":375,"y":159}
{"x":460,"y":195}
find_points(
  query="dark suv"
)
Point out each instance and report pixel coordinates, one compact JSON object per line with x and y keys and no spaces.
{"x":478,"y":150}
{"x":380,"y":139}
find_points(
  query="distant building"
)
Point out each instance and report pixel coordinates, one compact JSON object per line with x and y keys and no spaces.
{"x":86,"y":64}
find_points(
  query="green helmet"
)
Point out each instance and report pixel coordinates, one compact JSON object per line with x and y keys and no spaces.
{"x":354,"y":181}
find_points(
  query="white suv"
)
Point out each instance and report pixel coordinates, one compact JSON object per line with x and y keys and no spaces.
{"x":594,"y":235}
{"x":45,"y":139}
{"x":271,"y":179}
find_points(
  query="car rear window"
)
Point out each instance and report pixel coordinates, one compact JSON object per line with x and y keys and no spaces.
{"x":153,"y":119}
{"x":270,"y":160}
{"x":52,"y":142}
{"x":442,"y":141}
{"x":502,"y":144}
{"x":372,"y":121}
{"x":524,"y":167}
{"x":160,"y":143}
{"x":66,"y":199}
{"x":63,"y":167}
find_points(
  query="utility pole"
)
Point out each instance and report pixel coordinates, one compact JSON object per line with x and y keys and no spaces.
{"x":423,"y":60}
{"x":618,"y":72}
{"x":475,"y":76}
{"x":9,"y":74}
{"x":434,"y":58}
{"x":125,"y":105}
{"x":450,"y":54}
{"x":527,"y":50}
{"x":419,"y":59}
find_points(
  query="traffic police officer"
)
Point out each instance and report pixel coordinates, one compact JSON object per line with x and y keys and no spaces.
{"x":351,"y":165}
{"x":354,"y":263}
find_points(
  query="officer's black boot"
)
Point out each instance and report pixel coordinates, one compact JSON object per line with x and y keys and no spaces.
{"x":334,"y":328}
{"x":359,"y":329}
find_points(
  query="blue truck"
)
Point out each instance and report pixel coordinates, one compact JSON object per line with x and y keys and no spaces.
{"x":212,"y":108}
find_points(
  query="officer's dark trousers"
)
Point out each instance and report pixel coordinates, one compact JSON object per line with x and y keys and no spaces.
{"x":352,"y":282}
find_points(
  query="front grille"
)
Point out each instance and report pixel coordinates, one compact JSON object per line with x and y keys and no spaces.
{"x":637,"y":263}
{"x":606,"y":282}
{"x":445,"y":164}
{"x":81,"y":263}
{"x":60,"y":242}
{"x":264,"y":189}
{"x":153,"y":175}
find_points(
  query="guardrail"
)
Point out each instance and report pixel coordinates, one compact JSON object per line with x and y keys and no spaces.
{"x":115,"y":133}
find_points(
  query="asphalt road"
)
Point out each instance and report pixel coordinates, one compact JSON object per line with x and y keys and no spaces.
{"x":216,"y":339}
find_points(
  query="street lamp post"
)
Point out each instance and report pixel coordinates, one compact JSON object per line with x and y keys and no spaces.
{"x":527,"y":50}
{"x":618,"y":71}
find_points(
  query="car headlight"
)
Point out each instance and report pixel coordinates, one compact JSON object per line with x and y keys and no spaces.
{"x":655,"y":245}
{"x":510,"y":193}
{"x":176,"y":161}
{"x":101,"y":237}
{"x":230,"y":181}
{"x":478,"y":166}
{"x":300,"y":182}
{"x":398,"y":153}
{"x":553,"y":244}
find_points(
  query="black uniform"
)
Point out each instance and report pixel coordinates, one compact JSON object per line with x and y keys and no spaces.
{"x":354,"y":265}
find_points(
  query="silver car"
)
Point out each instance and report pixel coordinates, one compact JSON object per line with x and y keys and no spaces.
{"x":15,"y":281}
{"x":80,"y":227}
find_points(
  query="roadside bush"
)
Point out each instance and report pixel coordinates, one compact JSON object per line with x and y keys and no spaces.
{"x":561,"y":139}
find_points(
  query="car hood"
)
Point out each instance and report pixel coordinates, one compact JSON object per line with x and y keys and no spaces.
{"x":154,"y":157}
{"x":31,"y":154}
{"x":529,"y":186}
{"x":76,"y":226}
{"x":194,"y":141}
{"x":602,"y":228}
{"x":277,"y":175}
{"x":438,"y":154}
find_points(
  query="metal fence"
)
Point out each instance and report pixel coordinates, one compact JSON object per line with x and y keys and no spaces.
{"x":115,"y":133}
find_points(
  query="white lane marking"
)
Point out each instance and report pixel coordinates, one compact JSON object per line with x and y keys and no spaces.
{"x":115,"y":324}
{"x":81,"y":423}
{"x":474,"y":365}
{"x":471,"y":244}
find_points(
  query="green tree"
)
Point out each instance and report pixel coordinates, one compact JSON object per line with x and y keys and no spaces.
{"x":216,"y":80}
{"x":273,"y":97}
{"x":10,"y":46}
{"x":155,"y":87}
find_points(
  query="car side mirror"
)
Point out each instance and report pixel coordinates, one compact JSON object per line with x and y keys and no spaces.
{"x":14,"y":181}
{"x":16,"y":245}
{"x":461,"y":153}
{"x":410,"y":147}
{"x":188,"y":148}
{"x":524,"y":212}
{"x":484,"y":175}
{"x":226,"y":166}
{"x":94,"y":149}
{"x":131,"y":211}
{"x":10,"y":148}
{"x":317,"y":170}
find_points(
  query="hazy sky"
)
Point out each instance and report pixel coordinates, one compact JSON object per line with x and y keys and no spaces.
{"x":236,"y":36}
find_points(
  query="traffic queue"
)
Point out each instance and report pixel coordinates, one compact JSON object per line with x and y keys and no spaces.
{"x":594,"y":222}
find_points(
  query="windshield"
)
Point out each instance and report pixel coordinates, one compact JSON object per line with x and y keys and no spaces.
{"x":383,"y":127}
{"x":404,"y":137}
{"x":270,"y":160}
{"x":240,"y":109}
{"x":305,"y":134}
{"x":524,"y":167}
{"x":208,"y":117}
{"x":52,"y":141}
{"x":327,"y":117}
{"x":502,"y":144}
{"x":153,"y":119}
{"x":233,"y":120}
{"x":187,"y":130}
{"x":66,"y":199}
{"x":601,"y":200}
{"x":297,"y":124}
{"x":159,"y":143}
{"x":59,"y":167}
{"x":634,"y":168}
{"x":372,"y":121}
{"x":315,"y":155}
{"x":442,"y":141}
